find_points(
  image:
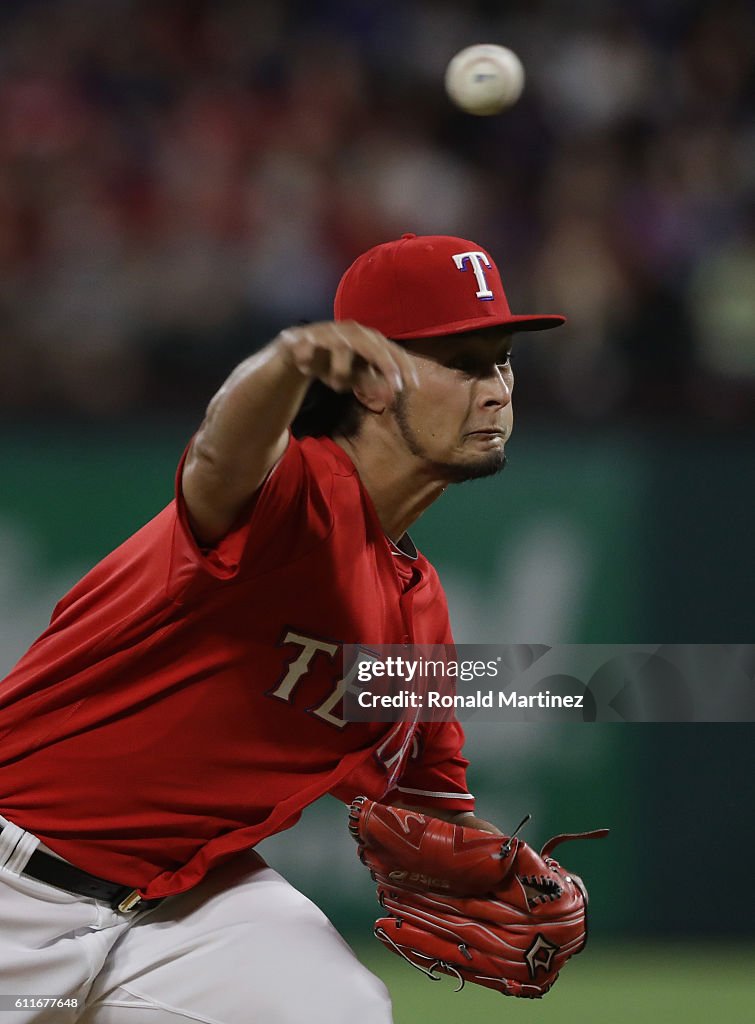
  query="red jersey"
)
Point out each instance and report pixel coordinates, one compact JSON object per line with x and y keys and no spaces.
{"x":184,"y":704}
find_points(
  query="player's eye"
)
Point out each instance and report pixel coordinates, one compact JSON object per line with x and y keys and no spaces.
{"x":479,"y":368}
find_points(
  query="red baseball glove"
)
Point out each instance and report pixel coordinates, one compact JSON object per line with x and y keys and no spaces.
{"x":483,"y":908}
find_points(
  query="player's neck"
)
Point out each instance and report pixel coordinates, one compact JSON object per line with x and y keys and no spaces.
{"x":400,"y":488}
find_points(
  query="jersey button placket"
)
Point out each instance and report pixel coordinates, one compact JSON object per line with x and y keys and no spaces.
{"x":406,"y":602}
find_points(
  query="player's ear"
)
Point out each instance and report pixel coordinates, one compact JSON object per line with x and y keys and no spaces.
{"x":370,"y":389}
{"x":370,"y":399}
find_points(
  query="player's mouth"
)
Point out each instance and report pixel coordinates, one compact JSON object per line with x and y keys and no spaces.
{"x":490,"y":436}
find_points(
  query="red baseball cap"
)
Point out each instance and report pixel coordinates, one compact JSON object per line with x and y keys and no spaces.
{"x":422,"y":285}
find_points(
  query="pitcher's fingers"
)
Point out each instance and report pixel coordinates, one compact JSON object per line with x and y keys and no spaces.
{"x":371,"y":347}
{"x":400,"y":356}
{"x":303,"y":350}
{"x":341,"y":367}
{"x":377,"y":351}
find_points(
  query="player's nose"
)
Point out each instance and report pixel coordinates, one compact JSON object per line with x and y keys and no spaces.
{"x":494,"y":389}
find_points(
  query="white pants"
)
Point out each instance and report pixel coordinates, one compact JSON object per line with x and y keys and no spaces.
{"x":244,"y":947}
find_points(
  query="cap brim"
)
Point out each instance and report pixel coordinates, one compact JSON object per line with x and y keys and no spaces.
{"x":521,"y":322}
{"x":536,"y":322}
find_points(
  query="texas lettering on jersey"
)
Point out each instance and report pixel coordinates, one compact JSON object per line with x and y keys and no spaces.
{"x":300,"y":666}
{"x":400,"y":741}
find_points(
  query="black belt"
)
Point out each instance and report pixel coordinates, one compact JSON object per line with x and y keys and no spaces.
{"x":61,"y":874}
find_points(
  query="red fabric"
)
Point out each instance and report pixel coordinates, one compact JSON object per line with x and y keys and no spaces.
{"x":162,"y":722}
{"x":421,"y":286}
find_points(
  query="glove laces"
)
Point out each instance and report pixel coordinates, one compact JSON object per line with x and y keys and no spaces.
{"x":427,"y":971}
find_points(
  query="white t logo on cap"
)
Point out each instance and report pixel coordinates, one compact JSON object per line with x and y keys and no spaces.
{"x":476,"y":261}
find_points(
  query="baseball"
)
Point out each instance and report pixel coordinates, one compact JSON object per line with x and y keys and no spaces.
{"x":484,"y":79}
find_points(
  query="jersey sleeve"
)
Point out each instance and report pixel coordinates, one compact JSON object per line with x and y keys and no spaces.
{"x":436,"y":773}
{"x":288,"y":515}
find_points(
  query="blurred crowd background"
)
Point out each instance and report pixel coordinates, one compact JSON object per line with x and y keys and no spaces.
{"x":179,"y":179}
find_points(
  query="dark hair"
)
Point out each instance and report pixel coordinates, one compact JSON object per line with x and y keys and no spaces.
{"x":325,"y":412}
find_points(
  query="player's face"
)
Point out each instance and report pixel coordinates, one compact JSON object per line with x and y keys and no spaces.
{"x":460,"y":416}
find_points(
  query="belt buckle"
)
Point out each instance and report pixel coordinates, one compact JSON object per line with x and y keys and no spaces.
{"x":130,"y":902}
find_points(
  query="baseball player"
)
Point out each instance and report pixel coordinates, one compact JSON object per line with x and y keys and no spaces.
{"x":185,"y":701}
